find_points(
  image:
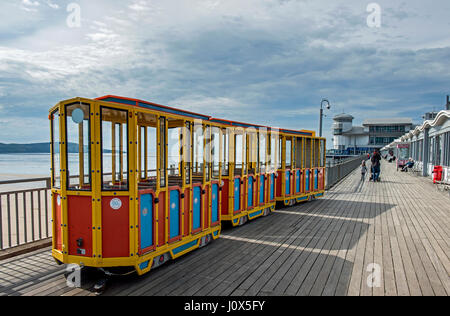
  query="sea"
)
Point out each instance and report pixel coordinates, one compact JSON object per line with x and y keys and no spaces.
{"x":17,"y":166}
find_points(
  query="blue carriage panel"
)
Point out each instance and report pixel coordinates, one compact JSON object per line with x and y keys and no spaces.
{"x":250,"y":192}
{"x":237,"y":194}
{"x":307,"y":180}
{"x":297,"y":181}
{"x":272,"y":186}
{"x":174,"y":214}
{"x":288,"y":182}
{"x":197,"y":209}
{"x":261,"y":189}
{"x":146,"y":224}
{"x":316,"y":179}
{"x":214,"y":202}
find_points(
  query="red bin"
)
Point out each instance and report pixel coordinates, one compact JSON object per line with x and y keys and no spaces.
{"x":437,"y":171}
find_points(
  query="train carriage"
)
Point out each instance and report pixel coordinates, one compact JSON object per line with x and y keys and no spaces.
{"x":135,"y":184}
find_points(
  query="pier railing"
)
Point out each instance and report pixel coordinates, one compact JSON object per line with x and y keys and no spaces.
{"x":336,"y":172}
{"x":25,"y":211}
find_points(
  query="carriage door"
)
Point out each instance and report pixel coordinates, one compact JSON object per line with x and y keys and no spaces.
{"x":308,"y":163}
{"x":273,"y":164}
{"x":79,"y":179}
{"x":316,"y":162}
{"x":299,"y":165}
{"x":147,"y":166}
{"x":288,"y":162}
{"x":215,"y":175}
{"x":115,"y":182}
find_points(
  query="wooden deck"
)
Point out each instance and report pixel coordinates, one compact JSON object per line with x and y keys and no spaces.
{"x":325,"y":247}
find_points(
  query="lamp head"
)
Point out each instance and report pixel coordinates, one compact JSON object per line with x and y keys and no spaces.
{"x":328,"y":106}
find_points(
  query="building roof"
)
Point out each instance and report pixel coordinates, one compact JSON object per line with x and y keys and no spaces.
{"x":440,"y":119}
{"x":388,"y":121}
{"x":343,"y":116}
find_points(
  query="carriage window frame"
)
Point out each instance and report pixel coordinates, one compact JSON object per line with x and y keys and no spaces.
{"x":308,"y":152}
{"x":56,"y":169}
{"x":215,"y":152}
{"x":322,"y":153}
{"x":89,"y":132}
{"x":147,"y":145}
{"x":225,"y":152}
{"x":207,"y":153}
{"x":127,"y":186}
{"x":299,"y":160}
{"x":198,"y":152}
{"x":175,"y":150}
{"x":188,"y":153}
{"x":238,"y":153}
{"x":316,"y":155}
{"x":288,"y":158}
{"x":163,"y":178}
{"x":273,"y":157}
{"x":262,"y":152}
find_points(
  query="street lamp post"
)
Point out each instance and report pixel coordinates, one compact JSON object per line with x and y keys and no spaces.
{"x":321,"y":114}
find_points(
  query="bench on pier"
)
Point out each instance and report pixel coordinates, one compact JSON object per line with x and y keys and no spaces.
{"x":443,"y":185}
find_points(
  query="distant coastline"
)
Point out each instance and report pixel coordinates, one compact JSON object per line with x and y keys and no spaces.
{"x":34,"y":148}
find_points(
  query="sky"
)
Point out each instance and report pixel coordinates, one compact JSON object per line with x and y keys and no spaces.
{"x":268,"y":62}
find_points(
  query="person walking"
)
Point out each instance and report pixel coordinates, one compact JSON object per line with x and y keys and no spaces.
{"x":376,"y":168}
{"x":363,"y":170}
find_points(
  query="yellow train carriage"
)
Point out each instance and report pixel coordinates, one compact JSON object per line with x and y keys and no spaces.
{"x":135,"y":184}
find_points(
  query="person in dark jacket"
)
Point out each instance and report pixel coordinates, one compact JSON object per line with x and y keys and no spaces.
{"x":376,"y":161}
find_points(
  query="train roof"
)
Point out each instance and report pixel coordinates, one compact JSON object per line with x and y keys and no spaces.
{"x":167,"y":109}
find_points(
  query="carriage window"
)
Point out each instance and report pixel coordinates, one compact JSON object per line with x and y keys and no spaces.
{"x":215,"y":152}
{"x":162,"y":152}
{"x":288,"y":153}
{"x":188,"y":153}
{"x":307,"y":153}
{"x":244,"y":153}
{"x":225,"y":148}
{"x":197,"y":175}
{"x":114,"y":131}
{"x":147,"y":150}
{"x":252,"y":152}
{"x":208,"y":153}
{"x":142,"y":143}
{"x":299,"y":152}
{"x":262,"y":152}
{"x":56,"y":156}
{"x":175,"y":145}
{"x":238,"y":154}
{"x":279,"y":153}
{"x":273,"y":151}
{"x":77,"y":147}
{"x":316,"y":153}
{"x":323,"y":155}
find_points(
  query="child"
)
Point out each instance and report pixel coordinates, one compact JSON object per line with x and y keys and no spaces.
{"x":363,"y":170}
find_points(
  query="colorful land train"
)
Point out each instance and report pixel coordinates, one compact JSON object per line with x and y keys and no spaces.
{"x":135,"y":184}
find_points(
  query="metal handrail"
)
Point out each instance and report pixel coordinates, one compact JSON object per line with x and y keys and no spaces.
{"x":337,"y":172}
{"x":27,"y":213}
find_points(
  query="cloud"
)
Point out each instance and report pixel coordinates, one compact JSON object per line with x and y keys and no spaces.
{"x":30,"y":5}
{"x":52,"y":5}
{"x":268,"y":62}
